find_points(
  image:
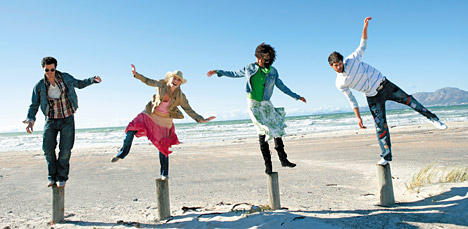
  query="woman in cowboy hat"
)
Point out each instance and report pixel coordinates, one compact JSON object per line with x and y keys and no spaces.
{"x":155,"y":122}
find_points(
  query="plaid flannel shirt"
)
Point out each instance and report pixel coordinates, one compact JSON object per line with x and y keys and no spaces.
{"x":62,"y":107}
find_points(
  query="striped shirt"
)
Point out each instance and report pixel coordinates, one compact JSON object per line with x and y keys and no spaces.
{"x":358,"y":76}
{"x":61,"y":107}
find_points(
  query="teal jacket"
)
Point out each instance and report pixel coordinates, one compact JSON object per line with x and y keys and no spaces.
{"x":272,"y":79}
{"x":39,"y":95}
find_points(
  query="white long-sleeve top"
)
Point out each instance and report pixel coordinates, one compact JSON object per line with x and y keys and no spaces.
{"x":358,"y":76}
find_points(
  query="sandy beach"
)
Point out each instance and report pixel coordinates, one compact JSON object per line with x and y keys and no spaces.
{"x":333,"y":185}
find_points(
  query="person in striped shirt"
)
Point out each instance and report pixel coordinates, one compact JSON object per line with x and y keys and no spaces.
{"x":352,"y":73}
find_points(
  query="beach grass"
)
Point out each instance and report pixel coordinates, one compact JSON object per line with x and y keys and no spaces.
{"x":432,"y":174}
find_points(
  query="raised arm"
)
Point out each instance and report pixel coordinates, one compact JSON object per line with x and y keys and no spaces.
{"x":359,"y":52}
{"x":364,"y":30}
{"x":147,"y":81}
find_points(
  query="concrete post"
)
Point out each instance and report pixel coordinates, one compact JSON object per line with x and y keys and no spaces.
{"x":273,"y":191}
{"x":58,"y":204}
{"x":162,"y":191}
{"x":385,"y":188}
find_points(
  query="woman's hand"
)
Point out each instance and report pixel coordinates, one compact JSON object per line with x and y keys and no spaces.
{"x":210,"y":73}
{"x":207,"y":119}
{"x":133,"y":69}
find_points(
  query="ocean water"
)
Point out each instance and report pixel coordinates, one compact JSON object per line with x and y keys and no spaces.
{"x":236,"y":129}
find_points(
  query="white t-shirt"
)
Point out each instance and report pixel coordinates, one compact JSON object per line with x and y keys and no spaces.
{"x":54,"y":92}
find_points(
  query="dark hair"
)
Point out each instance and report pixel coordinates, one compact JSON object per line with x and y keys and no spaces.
{"x":49,"y":60}
{"x":267,"y":53}
{"x":335,"y":57}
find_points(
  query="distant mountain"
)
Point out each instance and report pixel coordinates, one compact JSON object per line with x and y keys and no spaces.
{"x":443,"y":97}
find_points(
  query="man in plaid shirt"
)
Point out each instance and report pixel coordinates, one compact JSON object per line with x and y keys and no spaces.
{"x":55,"y":95}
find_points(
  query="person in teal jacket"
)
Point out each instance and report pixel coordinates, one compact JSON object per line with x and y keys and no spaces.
{"x":261,"y":78}
{"x":55,"y":95}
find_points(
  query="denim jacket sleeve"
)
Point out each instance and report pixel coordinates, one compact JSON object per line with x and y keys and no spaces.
{"x":79,"y":83}
{"x":35,"y":103}
{"x":188,"y":109}
{"x":232,"y":74}
{"x":280,"y":85}
{"x":148,"y":81}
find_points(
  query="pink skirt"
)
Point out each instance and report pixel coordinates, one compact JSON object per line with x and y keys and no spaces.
{"x":160,"y":131}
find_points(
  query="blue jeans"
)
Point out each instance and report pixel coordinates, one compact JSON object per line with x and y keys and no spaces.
{"x":58,"y":167}
{"x":377,"y":107}
{"x":127,"y":144}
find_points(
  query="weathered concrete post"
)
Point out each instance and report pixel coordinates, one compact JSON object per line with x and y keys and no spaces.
{"x":384,"y":176}
{"x":273,"y":191}
{"x":58,"y":204}
{"x":162,"y":191}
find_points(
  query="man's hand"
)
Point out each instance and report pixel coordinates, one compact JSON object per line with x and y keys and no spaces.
{"x":366,"y":20}
{"x":210,"y":73}
{"x":361,"y":125}
{"x":29,"y":128}
{"x":364,"y":30}
{"x":97,"y":79}
{"x":207,"y":119}
{"x":303,"y":99}
{"x":358,"y":116}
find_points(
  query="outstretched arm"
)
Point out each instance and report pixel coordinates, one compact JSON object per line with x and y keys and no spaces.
{"x":359,"y":52}
{"x":147,"y":81}
{"x":207,"y":119}
{"x":364,"y":30}
{"x":233,"y":74}
{"x":186,"y":106}
{"x":280,"y":85}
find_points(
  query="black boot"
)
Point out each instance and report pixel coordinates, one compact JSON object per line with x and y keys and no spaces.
{"x":265,"y":148}
{"x":279,"y":146}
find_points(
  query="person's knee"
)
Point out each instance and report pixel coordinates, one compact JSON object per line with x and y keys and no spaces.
{"x":65,"y":155}
{"x":49,"y":150}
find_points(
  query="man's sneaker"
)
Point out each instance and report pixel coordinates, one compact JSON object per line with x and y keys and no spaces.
{"x":115,"y":159}
{"x":382,"y":161}
{"x":61,"y":184}
{"x":438,"y":124}
{"x":164,"y":177}
{"x":51,"y":182}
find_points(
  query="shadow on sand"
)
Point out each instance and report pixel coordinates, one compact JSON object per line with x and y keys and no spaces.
{"x":436,"y":209}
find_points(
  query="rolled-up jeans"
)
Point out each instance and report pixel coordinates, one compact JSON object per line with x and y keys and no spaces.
{"x":127,"y":144}
{"x":376,"y":104}
{"x":58,"y":167}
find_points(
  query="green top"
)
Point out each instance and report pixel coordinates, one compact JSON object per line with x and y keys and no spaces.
{"x":258,"y":84}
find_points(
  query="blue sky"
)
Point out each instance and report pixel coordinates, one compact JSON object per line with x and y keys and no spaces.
{"x":419,"y":45}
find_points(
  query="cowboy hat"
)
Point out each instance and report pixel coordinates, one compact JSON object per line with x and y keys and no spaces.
{"x":177,"y":74}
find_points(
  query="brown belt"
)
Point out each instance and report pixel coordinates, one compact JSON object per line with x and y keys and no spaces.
{"x":382,"y":85}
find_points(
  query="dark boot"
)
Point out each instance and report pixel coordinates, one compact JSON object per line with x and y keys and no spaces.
{"x":265,"y":148}
{"x":279,"y":146}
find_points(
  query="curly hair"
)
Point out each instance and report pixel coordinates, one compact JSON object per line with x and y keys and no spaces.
{"x":266,"y":52}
